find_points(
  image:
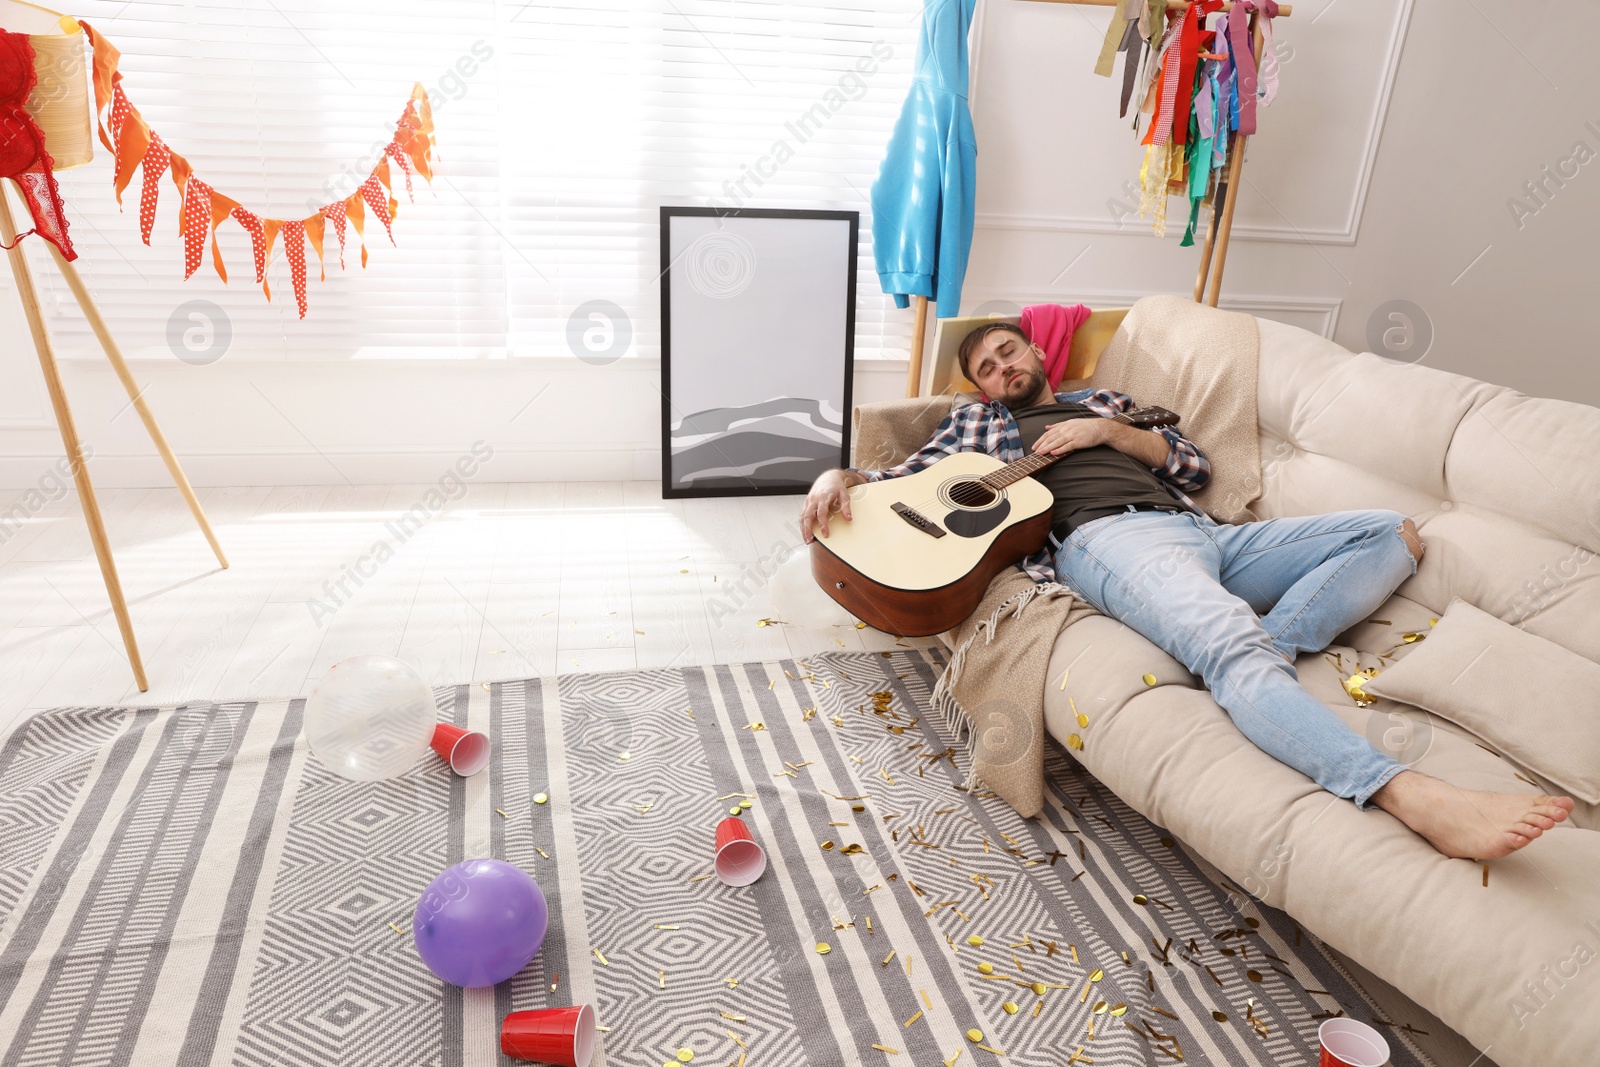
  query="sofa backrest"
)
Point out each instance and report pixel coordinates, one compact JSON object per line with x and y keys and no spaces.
{"x":1505,"y":488}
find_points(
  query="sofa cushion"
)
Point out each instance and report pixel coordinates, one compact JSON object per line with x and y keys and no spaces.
{"x":1529,"y":697}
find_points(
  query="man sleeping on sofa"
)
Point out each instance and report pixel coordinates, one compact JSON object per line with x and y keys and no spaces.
{"x":1233,"y":603}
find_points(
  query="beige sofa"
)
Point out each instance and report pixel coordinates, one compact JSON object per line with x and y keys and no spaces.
{"x":1506,"y":492}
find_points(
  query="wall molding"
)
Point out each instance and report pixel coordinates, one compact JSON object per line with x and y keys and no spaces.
{"x":1344,"y":235}
{"x":1327,"y":307}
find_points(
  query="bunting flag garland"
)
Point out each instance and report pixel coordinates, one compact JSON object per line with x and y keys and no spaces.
{"x":134,"y":145}
{"x":1197,"y":86}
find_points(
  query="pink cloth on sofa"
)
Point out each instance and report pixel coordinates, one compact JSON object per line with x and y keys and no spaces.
{"x":1051,"y":326}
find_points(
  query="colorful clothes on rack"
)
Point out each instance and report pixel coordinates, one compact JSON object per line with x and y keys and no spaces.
{"x":1200,"y":87}
{"x":22,"y":153}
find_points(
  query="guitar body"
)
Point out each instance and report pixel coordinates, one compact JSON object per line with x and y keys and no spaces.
{"x":889,"y":569}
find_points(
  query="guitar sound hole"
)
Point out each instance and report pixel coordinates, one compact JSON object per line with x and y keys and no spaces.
{"x":971,"y":494}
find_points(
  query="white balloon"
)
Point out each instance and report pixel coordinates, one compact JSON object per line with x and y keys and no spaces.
{"x":370,"y":717}
{"x":800,"y":601}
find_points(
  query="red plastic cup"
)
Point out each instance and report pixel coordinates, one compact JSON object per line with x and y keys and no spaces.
{"x":1348,"y":1043}
{"x":560,"y":1036}
{"x":467,"y":751}
{"x":740,"y":860}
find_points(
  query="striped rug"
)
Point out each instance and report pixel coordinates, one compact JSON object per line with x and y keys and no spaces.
{"x":188,"y":886}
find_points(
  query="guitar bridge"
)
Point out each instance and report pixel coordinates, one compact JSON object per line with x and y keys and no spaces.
{"x":917,"y":519}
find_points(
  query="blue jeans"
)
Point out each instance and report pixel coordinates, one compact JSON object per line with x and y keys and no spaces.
{"x":1228,"y":601}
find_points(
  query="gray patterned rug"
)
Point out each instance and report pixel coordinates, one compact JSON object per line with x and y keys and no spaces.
{"x":188,"y":886}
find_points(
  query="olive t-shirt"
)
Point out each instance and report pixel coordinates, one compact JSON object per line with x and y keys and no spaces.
{"x":1094,"y":477}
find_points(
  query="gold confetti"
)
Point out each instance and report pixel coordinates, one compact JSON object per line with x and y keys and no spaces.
{"x":666,"y":926}
{"x":1074,"y":950}
{"x":753,"y":726}
{"x":502,"y":814}
{"x":985,"y":968}
{"x":1074,"y":741}
{"x":1096,"y":974}
{"x":908,"y":965}
{"x":1119,"y":1010}
{"x":555,"y":978}
{"x":541,"y":798}
{"x":996,"y":1051}
{"x":861,"y":626}
{"x":1037,"y":1008}
{"x":914,"y":1018}
{"x":1253,"y":975}
{"x":951,"y":1061}
{"x":685,"y":1055}
{"x":1486,"y":876}
{"x":851,"y":850}
{"x":541,"y":852}
{"x":1140,"y":899}
{"x":926,"y":1003}
{"x":1433,"y":622}
{"x":1064,"y":674}
{"x":661,"y":978}
{"x":601,"y":957}
{"x":1352,"y":685}
{"x":396,"y":929}
{"x":975,"y":941}
{"x":974,"y":1034}
{"x":823,"y":948}
{"x":625,"y":756}
{"x":1009,"y":1007}
{"x":736,"y":1039}
{"x":698,"y":878}
{"x":1221,"y":1017}
{"x":886,"y":959}
{"x":735,"y":1018}
{"x":886,"y":1048}
{"x":1149,"y":679}
{"x":1038,"y":988}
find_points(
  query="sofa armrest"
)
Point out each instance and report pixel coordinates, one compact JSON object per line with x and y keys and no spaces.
{"x":887,"y":431}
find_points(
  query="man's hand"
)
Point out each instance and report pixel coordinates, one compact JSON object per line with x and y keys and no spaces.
{"x":828,"y":494}
{"x":1147,"y":446}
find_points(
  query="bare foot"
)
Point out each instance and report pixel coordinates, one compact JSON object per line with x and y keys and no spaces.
{"x":1467,"y":824}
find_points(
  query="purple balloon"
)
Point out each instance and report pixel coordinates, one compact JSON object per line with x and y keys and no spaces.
{"x":480,"y":922}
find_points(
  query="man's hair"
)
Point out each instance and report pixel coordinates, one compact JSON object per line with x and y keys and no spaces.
{"x":970,"y":343}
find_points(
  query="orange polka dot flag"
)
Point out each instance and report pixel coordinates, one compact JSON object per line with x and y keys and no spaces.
{"x":133,"y":144}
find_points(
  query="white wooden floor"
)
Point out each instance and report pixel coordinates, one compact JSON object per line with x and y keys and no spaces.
{"x":508,"y":581}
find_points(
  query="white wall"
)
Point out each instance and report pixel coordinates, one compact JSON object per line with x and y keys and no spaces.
{"x":1383,"y":172}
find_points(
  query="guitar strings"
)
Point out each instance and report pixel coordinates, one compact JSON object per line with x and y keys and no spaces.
{"x":995,"y":491}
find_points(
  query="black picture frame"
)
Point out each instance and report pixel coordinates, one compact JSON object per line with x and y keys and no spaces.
{"x":807,"y":428}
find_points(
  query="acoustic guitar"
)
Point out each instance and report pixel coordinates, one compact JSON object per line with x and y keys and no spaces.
{"x":921,"y":550}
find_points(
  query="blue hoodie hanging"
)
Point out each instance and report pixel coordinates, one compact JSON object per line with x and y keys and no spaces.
{"x":922,"y":201}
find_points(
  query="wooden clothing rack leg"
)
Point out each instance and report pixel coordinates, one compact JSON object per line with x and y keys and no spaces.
{"x":69,"y":431}
{"x":1218,"y":231}
{"x":918,"y":328}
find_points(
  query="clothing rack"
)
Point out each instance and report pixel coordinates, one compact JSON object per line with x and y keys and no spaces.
{"x":1219,"y":228}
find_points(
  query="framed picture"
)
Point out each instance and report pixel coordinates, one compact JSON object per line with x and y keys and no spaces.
{"x":758,"y":318}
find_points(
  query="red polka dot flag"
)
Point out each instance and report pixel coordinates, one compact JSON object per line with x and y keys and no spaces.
{"x":134,"y":145}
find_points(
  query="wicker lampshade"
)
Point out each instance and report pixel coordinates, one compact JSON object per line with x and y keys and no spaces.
{"x":59,"y":102}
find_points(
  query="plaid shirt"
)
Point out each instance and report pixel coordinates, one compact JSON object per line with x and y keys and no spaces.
{"x":990,"y":428}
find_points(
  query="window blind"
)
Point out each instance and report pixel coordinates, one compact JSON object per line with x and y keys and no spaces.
{"x":562,"y":128}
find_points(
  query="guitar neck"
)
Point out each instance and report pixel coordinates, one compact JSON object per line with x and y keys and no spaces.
{"x":1019,"y":469}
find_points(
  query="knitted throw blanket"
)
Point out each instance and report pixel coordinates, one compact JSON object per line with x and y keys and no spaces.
{"x":1195,"y":360}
